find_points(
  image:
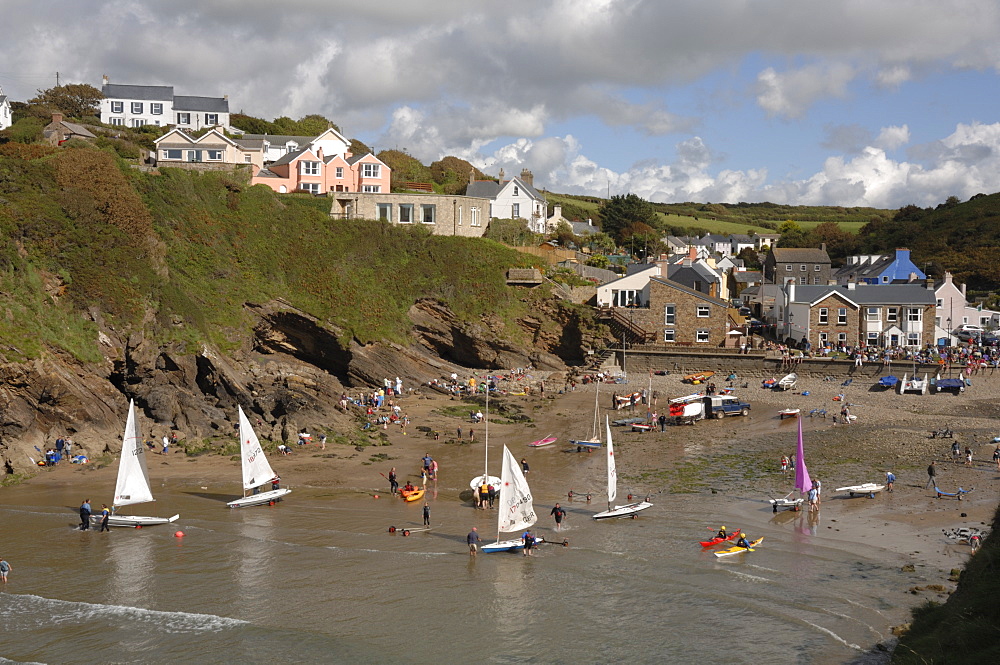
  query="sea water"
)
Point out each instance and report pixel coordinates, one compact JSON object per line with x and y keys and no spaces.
{"x":319,"y":578}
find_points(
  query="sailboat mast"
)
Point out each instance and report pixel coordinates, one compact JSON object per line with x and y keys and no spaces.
{"x":486,"y":437}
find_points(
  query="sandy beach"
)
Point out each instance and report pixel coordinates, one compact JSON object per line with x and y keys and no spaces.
{"x":737,"y":458}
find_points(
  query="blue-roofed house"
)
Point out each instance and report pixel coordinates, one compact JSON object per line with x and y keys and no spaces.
{"x":894,"y":268}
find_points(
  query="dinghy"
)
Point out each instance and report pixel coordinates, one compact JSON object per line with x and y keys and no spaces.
{"x":871,"y":489}
{"x":788,"y":381}
{"x":133,"y":480}
{"x":515,"y":511}
{"x":256,"y":470}
{"x":629,"y":510}
{"x":595,"y":440}
{"x":486,"y":478}
{"x":786,"y":502}
{"x":547,"y":441}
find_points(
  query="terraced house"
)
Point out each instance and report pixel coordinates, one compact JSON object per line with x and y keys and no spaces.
{"x":140,"y":105}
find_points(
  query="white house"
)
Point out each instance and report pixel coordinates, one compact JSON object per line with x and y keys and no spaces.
{"x":275,"y":146}
{"x":139,"y":105}
{"x":953,"y":309}
{"x":516,"y":198}
{"x":629,"y":291}
{"x":5,"y":114}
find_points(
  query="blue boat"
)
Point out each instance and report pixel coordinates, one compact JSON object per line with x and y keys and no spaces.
{"x":888,"y":381}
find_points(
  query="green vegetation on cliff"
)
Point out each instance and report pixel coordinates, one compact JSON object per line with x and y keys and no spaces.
{"x":88,"y":242}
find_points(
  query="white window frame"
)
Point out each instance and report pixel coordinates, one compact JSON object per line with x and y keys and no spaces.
{"x":405,"y":213}
{"x":914,"y":314}
{"x":175,"y":154}
{"x":247,"y":157}
{"x":842,"y":338}
{"x":816,"y":268}
{"x":339,"y":173}
{"x":702,"y":336}
{"x":515,"y":210}
{"x":460,"y":215}
{"x":215,"y":155}
{"x":872,"y":338}
{"x":516,"y":191}
{"x":669,"y":335}
{"x":118,"y":107}
{"x":183,"y":118}
{"x":703,"y":311}
{"x":428,"y":213}
{"x":913,"y":339}
{"x":873,"y":314}
{"x":802,"y":268}
{"x":138,"y":122}
{"x":310,"y":187}
{"x":383,"y":212}
{"x":824,"y":316}
{"x":669,"y":314}
{"x":136,"y":107}
{"x":308,"y":168}
{"x":211,"y":119}
{"x":788,"y":267}
{"x":803,"y":280}
{"x":823,"y":338}
{"x":371,"y":171}
{"x":841,"y":316}
{"x":193,"y":156}
{"x":475,"y":218}
{"x":117,"y":122}
{"x":156,"y":108}
{"x":372,"y":189}
{"x":891,"y":314}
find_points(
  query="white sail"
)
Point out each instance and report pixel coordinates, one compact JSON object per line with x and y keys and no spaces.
{"x":133,"y":478}
{"x":516,"y":511}
{"x":612,"y":470}
{"x":256,"y":470}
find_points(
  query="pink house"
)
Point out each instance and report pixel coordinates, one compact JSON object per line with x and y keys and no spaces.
{"x":325,"y":165}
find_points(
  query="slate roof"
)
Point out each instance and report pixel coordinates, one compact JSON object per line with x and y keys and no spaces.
{"x":690,"y":291}
{"x":79,"y":130}
{"x":288,"y":157}
{"x":747,"y":276}
{"x":279,"y":139}
{"x":870,"y":294}
{"x":579,"y":228}
{"x":203,"y":104}
{"x":800,"y":255}
{"x":155,"y":93}
{"x":252,"y":144}
{"x":3,"y":98}
{"x":485,"y":189}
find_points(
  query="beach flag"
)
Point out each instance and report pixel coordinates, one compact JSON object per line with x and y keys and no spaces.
{"x":803,"y":482}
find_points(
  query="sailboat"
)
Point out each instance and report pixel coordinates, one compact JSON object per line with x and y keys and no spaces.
{"x":595,"y":440}
{"x":133,"y":479}
{"x":628,"y":510}
{"x":478,"y":481}
{"x":515,"y":511}
{"x":256,"y":470}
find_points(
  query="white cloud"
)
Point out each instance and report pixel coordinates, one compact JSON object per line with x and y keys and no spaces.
{"x":791,"y":93}
{"x":893,"y":76}
{"x":891,"y":138}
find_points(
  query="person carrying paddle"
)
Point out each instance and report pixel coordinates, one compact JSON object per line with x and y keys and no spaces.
{"x":743,"y":542}
{"x":722,"y":533}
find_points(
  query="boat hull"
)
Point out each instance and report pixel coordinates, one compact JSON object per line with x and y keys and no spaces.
{"x":477,"y":482}
{"x":261,"y":499}
{"x":547,"y":441}
{"x":585,"y":444}
{"x":717,"y":540}
{"x":867,"y":488}
{"x":412,"y":495}
{"x":738,"y":550}
{"x":623,"y":511}
{"x":515,"y":545}
{"x":133,"y":521}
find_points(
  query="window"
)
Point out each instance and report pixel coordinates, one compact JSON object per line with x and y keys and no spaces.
{"x":913,"y":339}
{"x":385,"y":212}
{"x":873,"y":339}
{"x":816,"y":268}
{"x":803,"y":281}
{"x":183,"y":118}
{"x":669,"y":314}
{"x":459,"y":215}
{"x":515,"y":210}
{"x":118,"y":122}
{"x":802,"y":268}
{"x":703,"y":311}
{"x":939,"y":302}
{"x":914,"y":314}
{"x":247,"y":158}
{"x":136,"y":107}
{"x":171,"y":154}
{"x":788,"y":267}
{"x":874,"y":314}
{"x":138,"y":122}
{"x":309,"y":168}
{"x":371,"y":170}
{"x":194,"y":155}
{"x":516,"y":192}
{"x":117,"y":107}
{"x":824,"y":316}
{"x":156,"y":109}
{"x":842,"y":316}
{"x":371,"y":189}
{"x":885,"y":279}
{"x":823,"y":338}
{"x":311,"y":187}
{"x":474,"y":219}
{"x":211,"y":119}
{"x":841,"y":338}
{"x":340,"y":172}
{"x":701,"y":336}
{"x":892,"y":314}
{"x":669,"y":335}
{"x":405,"y":213}
{"x":427,"y":214}
{"x":215,"y":155}
{"x":815,"y":280}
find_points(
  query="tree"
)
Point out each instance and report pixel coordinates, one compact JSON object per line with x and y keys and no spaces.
{"x":792,"y":234}
{"x":620,"y":212}
{"x":751,"y":260}
{"x":599,"y":261}
{"x":601,"y":241}
{"x":76,"y":100}
{"x":512,"y":232}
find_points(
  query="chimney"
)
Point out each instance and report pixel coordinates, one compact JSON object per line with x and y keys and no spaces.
{"x":57,"y":117}
{"x":930,"y":284}
{"x":501,"y":176}
{"x":105,"y":80}
{"x":851,"y":286}
{"x":557,"y":211}
{"x":226,"y":97}
{"x":527,"y":177}
{"x":822,"y":247}
{"x":472,"y":176}
{"x":692,"y":253}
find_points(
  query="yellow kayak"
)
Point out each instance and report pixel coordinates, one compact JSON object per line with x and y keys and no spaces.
{"x":738,"y":550}
{"x":412,"y":495}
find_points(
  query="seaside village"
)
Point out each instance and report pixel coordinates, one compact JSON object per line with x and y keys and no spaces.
{"x":693,"y":308}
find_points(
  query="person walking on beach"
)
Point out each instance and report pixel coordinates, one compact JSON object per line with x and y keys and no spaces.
{"x":818,"y":486}
{"x":393,"y":482}
{"x":955,"y":451}
{"x":931,"y":475}
{"x":559,"y":514}
{"x":473,"y":540}
{"x":85,"y":515}
{"x":812,"y":499}
{"x":322,"y":441}
{"x":4,"y":569}
{"x":459,"y":432}
{"x":968,"y":456}
{"x":427,"y":514}
{"x":784,"y":464}
{"x":996,"y":457}
{"x":890,"y":478}
{"x":68,"y":446}
{"x":105,"y":516}
{"x":524,"y":466}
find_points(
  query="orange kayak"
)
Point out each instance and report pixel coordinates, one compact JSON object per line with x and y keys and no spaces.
{"x":412,"y":495}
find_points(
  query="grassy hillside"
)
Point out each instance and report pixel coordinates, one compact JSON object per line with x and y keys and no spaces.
{"x":84,"y":237}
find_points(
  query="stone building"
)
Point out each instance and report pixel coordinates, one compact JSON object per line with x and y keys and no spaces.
{"x":443,"y":215}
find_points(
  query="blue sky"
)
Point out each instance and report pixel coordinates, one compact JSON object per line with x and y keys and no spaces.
{"x":792,"y":101}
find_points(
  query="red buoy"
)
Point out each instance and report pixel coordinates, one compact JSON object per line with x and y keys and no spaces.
{"x":178,"y":534}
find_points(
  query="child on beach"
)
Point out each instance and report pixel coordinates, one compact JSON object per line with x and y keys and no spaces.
{"x":784,"y":464}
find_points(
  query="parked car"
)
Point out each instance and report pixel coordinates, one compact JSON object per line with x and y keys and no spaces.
{"x":969,"y":328}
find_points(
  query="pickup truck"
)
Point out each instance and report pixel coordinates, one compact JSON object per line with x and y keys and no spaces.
{"x":721,"y":406}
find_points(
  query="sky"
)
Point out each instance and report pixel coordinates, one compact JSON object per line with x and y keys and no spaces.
{"x":850,"y":102}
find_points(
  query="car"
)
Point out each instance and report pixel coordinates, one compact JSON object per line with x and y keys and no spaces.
{"x":969,"y":328}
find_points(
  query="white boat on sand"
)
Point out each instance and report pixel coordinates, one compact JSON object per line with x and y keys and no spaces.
{"x":788,"y":381}
{"x":515,"y":510}
{"x":133,"y":480}
{"x":871,"y":489}
{"x":256,"y":470}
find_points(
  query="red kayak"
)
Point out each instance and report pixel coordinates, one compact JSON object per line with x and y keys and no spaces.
{"x":717,"y":540}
